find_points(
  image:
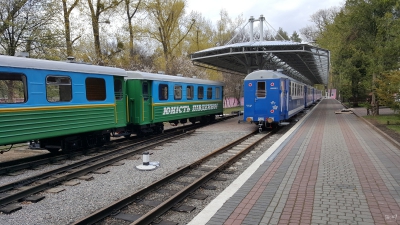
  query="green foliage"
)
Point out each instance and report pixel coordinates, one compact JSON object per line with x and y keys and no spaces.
{"x":388,"y":90}
{"x":295,"y":37}
{"x":364,"y":43}
{"x":390,"y":121}
{"x":281,"y":35}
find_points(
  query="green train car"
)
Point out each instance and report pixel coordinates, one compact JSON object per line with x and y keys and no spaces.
{"x":156,"y":98}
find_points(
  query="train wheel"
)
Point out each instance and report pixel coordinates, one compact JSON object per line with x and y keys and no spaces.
{"x":212,"y":118}
{"x":102,"y":139}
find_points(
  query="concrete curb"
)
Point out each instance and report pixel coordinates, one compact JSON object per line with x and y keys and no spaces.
{"x":390,"y":139}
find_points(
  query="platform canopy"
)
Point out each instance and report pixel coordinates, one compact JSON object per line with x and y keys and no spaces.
{"x":300,"y":61}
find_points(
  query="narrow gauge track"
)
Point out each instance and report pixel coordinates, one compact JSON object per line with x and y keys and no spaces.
{"x":50,"y":179}
{"x":20,"y":190}
{"x":33,"y":162}
{"x":147,"y":205}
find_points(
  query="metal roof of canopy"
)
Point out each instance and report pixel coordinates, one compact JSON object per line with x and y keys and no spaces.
{"x":300,"y":61}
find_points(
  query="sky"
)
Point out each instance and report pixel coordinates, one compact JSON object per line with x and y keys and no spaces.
{"x":290,"y":15}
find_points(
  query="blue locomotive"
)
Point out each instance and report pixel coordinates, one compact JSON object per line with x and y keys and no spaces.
{"x":68,"y":106}
{"x":271,"y":98}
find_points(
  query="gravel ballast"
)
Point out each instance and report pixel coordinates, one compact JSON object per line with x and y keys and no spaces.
{"x":78,"y":201}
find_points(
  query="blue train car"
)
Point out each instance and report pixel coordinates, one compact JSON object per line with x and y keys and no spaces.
{"x":317,"y":95}
{"x":271,"y":98}
{"x":309,"y":93}
{"x":61,"y":105}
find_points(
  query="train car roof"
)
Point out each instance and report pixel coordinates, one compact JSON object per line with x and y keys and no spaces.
{"x":30,"y":63}
{"x":162,"y":77}
{"x":267,"y":74}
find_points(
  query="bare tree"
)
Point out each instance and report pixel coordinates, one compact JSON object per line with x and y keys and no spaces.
{"x":67,"y":27}
{"x":9,"y":10}
{"x":25,"y":22}
{"x":321,"y":19}
{"x":130,"y":15}
{"x":226,"y":28}
{"x":97,"y":8}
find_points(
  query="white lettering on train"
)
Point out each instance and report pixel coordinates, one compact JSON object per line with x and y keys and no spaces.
{"x":186,"y":108}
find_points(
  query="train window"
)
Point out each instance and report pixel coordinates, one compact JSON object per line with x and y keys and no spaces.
{"x":12,"y":88}
{"x":58,"y":89}
{"x":294,"y":89}
{"x":118,"y":90}
{"x":209,"y":93}
{"x":261,"y":90}
{"x":217,"y":93}
{"x":178,"y":92}
{"x":298,"y":90}
{"x":95,"y":89}
{"x":189,"y":92}
{"x":200,"y":92}
{"x":145,"y":90}
{"x":163,"y":92}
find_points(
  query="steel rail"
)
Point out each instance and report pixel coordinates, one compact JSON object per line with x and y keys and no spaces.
{"x":45,"y":185}
{"x":34,"y":161}
{"x":168,"y":204}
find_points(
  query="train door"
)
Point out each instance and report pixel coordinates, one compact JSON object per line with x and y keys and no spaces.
{"x":260,"y":100}
{"x":283,"y":97}
{"x":147,"y":112}
{"x":120,"y":102}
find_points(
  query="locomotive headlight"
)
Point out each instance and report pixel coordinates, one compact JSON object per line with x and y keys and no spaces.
{"x":270,"y":120}
{"x":249,"y":119}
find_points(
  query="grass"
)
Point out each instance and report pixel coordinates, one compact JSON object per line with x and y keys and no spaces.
{"x":391,"y":121}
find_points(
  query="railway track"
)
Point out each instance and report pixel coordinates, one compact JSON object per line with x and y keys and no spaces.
{"x":24,"y":189}
{"x":36,"y":161}
{"x":149,"y":204}
{"x":33,"y":162}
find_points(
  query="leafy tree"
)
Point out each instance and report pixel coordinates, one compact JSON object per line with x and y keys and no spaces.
{"x":281,"y":35}
{"x":364,"y":42}
{"x":388,"y":88}
{"x":201,"y":36}
{"x":168,"y":27}
{"x":226,"y":28}
{"x":295,"y":37}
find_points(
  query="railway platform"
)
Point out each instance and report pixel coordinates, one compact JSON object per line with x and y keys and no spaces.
{"x":328,"y":169}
